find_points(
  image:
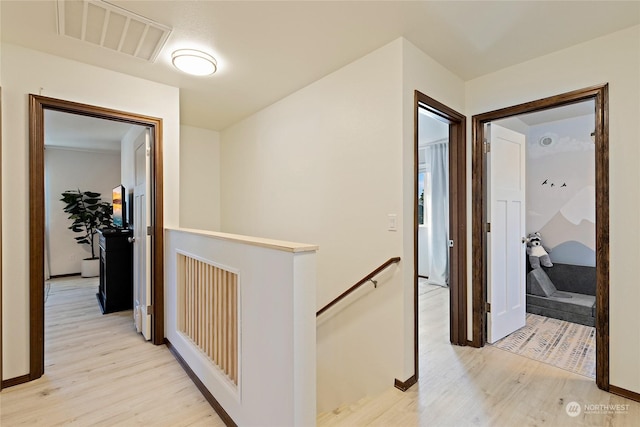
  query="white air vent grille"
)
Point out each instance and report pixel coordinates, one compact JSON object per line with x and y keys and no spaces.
{"x":105,"y":25}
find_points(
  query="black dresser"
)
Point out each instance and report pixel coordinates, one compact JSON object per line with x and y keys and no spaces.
{"x":115,"y":292}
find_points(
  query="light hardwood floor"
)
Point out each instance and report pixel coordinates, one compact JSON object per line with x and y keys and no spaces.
{"x":464,"y":386}
{"x":100,"y":372}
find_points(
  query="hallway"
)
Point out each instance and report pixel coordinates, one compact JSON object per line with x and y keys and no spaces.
{"x":99,"y":371}
{"x":461,"y":386}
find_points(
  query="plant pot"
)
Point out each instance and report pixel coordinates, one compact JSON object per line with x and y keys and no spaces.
{"x":90,"y":267}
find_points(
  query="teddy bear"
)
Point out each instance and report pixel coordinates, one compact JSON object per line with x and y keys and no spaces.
{"x":537,"y":253}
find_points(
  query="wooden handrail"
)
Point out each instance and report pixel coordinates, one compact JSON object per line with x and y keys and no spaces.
{"x":360,"y":283}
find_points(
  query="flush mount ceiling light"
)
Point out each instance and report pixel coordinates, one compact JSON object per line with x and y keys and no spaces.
{"x":194,"y":62}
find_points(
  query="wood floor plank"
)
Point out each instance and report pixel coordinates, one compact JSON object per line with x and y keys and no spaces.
{"x":100,"y":372}
{"x":464,"y":386}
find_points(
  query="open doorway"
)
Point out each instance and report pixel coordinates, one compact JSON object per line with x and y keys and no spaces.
{"x":81,"y":153}
{"x":94,"y":157}
{"x":554,"y":320}
{"x":483,"y":284}
{"x":38,"y":106}
{"x":439,"y":217}
{"x":433,"y":202}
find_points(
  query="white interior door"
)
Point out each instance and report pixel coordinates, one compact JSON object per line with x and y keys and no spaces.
{"x":506,"y":280}
{"x":142,"y":242}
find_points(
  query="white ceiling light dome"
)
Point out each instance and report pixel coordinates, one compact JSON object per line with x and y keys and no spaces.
{"x":194,"y":62}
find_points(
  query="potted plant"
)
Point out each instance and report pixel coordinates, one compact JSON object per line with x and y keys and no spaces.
{"x":88,"y":213}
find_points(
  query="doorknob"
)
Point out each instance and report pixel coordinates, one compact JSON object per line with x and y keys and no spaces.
{"x":131,"y":239}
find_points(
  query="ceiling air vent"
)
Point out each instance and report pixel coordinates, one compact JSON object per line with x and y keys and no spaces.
{"x":111,"y":27}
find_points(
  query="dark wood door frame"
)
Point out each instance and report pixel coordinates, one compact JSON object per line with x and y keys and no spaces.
{"x":457,"y":223}
{"x":599,"y":94}
{"x":37,"y":106}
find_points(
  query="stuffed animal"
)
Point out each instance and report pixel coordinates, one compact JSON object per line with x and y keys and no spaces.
{"x":537,"y":253}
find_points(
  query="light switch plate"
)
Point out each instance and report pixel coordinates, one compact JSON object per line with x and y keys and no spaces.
{"x":392,"y":222}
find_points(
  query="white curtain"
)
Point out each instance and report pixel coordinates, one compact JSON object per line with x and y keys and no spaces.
{"x":437,"y":212}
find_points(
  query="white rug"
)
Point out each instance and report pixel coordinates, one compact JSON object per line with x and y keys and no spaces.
{"x":562,"y":344}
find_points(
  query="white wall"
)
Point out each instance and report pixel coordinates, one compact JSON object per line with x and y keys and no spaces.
{"x":23,"y":72}
{"x":614,"y":59}
{"x":72,"y":170}
{"x":515,"y":124}
{"x":565,"y":216}
{"x":1,"y":153}
{"x":324,"y":165}
{"x":327,"y":165}
{"x":199,"y":178}
{"x":561,"y":181}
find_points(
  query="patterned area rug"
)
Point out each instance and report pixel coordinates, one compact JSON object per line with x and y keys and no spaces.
{"x":562,"y":344}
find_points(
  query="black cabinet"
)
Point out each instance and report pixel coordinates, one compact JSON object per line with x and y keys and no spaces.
{"x":115,"y":292}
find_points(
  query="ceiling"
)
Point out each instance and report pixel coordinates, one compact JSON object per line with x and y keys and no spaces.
{"x":430,"y":129}
{"x":73,"y":131}
{"x":267,"y":50}
{"x":559,"y":113}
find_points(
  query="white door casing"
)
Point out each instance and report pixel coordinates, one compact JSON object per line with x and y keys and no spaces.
{"x":142,"y":241}
{"x":506,"y":248}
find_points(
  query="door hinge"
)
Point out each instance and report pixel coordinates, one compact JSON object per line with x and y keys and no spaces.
{"x":450,"y":243}
{"x":487,"y":146}
{"x":149,"y":309}
{"x":149,"y":230}
{"x":488,"y":227}
{"x":487,"y":307}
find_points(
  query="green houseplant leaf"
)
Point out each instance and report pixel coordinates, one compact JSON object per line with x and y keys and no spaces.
{"x":88,"y":213}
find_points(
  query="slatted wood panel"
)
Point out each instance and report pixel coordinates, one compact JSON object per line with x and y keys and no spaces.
{"x":208,"y":312}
